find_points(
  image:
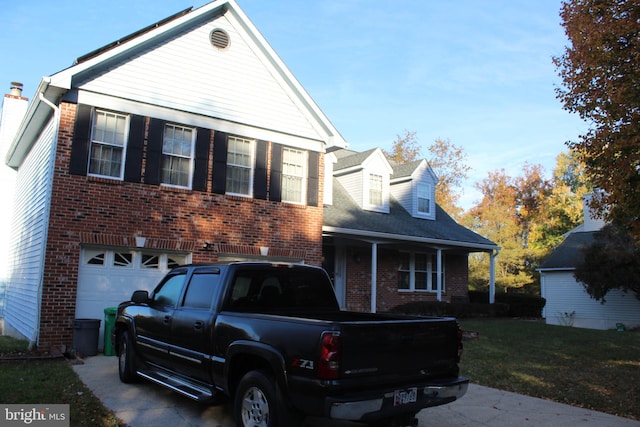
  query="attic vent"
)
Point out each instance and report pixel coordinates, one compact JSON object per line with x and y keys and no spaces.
{"x":219,"y":38}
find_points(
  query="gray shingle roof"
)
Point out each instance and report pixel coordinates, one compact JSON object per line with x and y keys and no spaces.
{"x":351,"y":160}
{"x":344,"y":213}
{"x":569,"y":253}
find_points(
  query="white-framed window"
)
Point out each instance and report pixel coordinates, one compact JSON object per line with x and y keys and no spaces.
{"x":108,"y":144}
{"x":294,"y":175}
{"x":376,"y":191}
{"x":177,"y":155}
{"x":424,"y":199}
{"x":240,"y":161}
{"x":419,"y":272}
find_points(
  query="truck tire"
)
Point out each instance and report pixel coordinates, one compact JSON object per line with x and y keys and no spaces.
{"x":259,"y":403}
{"x":126,"y":359}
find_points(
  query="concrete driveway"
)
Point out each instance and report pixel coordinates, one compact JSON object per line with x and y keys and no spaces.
{"x":149,"y":405}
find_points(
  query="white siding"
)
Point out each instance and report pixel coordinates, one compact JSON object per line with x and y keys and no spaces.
{"x":187,"y":73}
{"x":28,"y":236}
{"x":403,"y":193}
{"x":569,"y":304}
{"x":353,"y":184}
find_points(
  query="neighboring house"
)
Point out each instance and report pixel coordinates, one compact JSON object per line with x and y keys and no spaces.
{"x":568,"y":303}
{"x":386,"y":240}
{"x":188,"y":141}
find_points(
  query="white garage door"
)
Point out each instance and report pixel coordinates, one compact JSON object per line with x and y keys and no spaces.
{"x":107,"y":277}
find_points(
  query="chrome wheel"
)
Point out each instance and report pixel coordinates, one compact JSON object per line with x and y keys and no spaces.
{"x":255,"y":410}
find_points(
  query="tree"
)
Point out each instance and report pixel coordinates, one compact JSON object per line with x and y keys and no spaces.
{"x":611,"y":262}
{"x":601,"y":80}
{"x":405,"y":148}
{"x":449,"y":164}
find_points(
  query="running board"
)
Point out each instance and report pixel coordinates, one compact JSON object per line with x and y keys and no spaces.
{"x":187,"y":388}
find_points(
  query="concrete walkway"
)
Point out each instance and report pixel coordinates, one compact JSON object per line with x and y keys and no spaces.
{"x":149,"y":405}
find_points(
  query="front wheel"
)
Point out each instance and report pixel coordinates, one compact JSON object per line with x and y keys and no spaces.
{"x":259,"y":403}
{"x":126,"y":359}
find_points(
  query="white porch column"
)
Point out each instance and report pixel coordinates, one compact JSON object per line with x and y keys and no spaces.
{"x":374,"y":273}
{"x":439,"y":275}
{"x":492,"y":277}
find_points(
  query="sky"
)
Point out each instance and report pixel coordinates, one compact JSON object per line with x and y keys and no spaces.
{"x":478,"y":73}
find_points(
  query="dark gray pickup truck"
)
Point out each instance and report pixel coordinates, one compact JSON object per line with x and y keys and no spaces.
{"x":273,"y":339}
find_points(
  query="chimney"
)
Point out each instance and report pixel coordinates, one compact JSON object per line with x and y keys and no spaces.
{"x":14,"y":107}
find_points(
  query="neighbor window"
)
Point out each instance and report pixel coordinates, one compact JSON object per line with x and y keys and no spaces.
{"x":424,"y":199}
{"x":177,"y":155}
{"x":375,"y":190}
{"x":108,"y":141}
{"x":293,"y":175}
{"x":419,"y":272}
{"x":239,"y":166}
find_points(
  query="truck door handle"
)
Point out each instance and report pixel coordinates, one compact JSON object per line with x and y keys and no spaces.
{"x":198,"y":325}
{"x":166,"y":320}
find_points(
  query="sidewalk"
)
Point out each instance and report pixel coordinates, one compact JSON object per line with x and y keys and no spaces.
{"x":149,"y":405}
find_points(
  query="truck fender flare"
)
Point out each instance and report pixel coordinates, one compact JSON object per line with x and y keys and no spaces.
{"x":270,"y":355}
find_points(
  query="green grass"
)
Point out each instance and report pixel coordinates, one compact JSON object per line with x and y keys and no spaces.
{"x":49,"y":382}
{"x":592,"y":369}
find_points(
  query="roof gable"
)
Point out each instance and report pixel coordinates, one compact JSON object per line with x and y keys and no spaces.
{"x":173,"y":65}
{"x":569,"y":253}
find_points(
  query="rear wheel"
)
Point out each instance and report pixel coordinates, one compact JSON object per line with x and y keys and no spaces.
{"x":126,"y":359}
{"x":259,"y":403}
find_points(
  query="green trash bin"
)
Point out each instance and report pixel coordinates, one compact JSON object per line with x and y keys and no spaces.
{"x":109,"y":323}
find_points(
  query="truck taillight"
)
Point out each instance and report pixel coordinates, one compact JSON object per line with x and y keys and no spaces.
{"x":460,"y":347}
{"x":329,"y":363}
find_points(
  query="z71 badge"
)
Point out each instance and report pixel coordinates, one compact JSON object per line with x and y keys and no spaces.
{"x":302,"y":363}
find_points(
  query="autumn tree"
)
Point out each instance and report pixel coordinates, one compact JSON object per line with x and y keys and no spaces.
{"x":601,"y":83}
{"x":405,"y":148}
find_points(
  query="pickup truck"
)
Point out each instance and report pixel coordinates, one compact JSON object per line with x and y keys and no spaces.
{"x":273,"y":340}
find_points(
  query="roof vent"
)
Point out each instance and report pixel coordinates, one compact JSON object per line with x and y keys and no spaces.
{"x":219,"y":38}
{"x":16,"y":88}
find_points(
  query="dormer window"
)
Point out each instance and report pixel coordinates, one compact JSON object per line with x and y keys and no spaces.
{"x":375,"y":190}
{"x":424,"y":199}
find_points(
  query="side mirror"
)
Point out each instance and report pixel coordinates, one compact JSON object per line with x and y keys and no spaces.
{"x":140,"y":297}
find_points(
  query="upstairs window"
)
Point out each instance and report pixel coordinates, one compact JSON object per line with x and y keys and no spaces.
{"x":424,"y":199}
{"x":375,"y":190}
{"x":108,"y":142}
{"x":177,"y":155}
{"x":293,"y":175}
{"x":240,"y":166}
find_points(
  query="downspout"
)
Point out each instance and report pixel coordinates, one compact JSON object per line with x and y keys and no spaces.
{"x":56,"y":118}
{"x":374,"y":273}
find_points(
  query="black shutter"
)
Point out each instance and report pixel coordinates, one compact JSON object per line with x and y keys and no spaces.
{"x":81,"y":140}
{"x":260,"y":173}
{"x":313,"y":178}
{"x":154,"y":152}
{"x":201,"y":168}
{"x":135,"y":143}
{"x":275,"y":186}
{"x":219,"y":162}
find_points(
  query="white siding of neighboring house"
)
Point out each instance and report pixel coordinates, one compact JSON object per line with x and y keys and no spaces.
{"x":237,"y":84}
{"x":28,"y":237}
{"x":569,"y":304}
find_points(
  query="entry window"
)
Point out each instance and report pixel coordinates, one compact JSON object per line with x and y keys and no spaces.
{"x":108,"y":141}
{"x":293,"y":175}
{"x":177,"y":155}
{"x":240,"y":166}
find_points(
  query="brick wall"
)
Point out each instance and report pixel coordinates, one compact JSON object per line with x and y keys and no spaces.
{"x":358,"y":294}
{"x":86,"y":210}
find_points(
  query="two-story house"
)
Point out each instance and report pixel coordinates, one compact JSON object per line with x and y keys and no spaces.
{"x":188,"y":141}
{"x":386,"y":240}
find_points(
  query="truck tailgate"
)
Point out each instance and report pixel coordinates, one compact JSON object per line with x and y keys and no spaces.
{"x":417,"y":347}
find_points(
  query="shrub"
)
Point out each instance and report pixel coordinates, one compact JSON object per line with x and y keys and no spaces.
{"x":458,"y":310}
{"x":520,"y":305}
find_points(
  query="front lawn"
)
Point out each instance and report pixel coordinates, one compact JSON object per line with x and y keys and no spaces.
{"x":582,"y":367}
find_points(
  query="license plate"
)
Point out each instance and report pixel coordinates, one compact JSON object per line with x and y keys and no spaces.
{"x":402,"y":397}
